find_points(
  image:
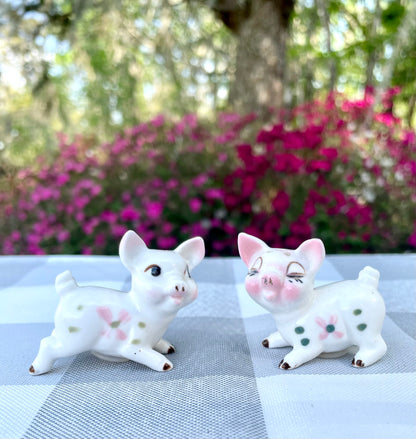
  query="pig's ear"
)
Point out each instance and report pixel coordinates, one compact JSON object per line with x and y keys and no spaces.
{"x":249,"y":245}
{"x":314,"y":251}
{"x":131,"y":245}
{"x":192,"y":250}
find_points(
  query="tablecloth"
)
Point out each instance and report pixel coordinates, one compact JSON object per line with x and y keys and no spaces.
{"x":224,"y":383}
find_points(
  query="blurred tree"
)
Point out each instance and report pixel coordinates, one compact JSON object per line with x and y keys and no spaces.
{"x":262,"y":29}
{"x":93,"y":66}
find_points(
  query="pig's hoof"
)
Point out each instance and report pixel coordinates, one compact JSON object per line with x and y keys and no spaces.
{"x":171,"y":350}
{"x":357,"y":363}
{"x":284,"y":365}
{"x":265,"y":343}
{"x":32,"y":370}
{"x":167,"y":366}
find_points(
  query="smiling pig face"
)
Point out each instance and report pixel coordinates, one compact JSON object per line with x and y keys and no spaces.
{"x":278,"y":279}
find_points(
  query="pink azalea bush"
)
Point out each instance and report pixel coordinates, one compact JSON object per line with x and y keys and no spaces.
{"x":333,"y":169}
{"x":330,"y":172}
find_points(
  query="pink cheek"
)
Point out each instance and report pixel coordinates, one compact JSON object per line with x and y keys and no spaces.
{"x":155,"y":295}
{"x":291,"y":292}
{"x":253,"y":286}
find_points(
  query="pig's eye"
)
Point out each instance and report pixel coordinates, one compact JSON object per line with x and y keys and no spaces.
{"x":256,"y":266}
{"x":155,"y":270}
{"x":295,"y":270}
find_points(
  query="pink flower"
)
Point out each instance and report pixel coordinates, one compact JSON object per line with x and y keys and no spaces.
{"x":15,"y":235}
{"x":386,"y":118}
{"x":190,"y":120}
{"x":288,"y":163}
{"x":166,"y":242}
{"x":80,"y":216}
{"x":328,"y":328}
{"x":248,"y":185}
{"x":118,"y":230}
{"x":218,"y":245}
{"x":154,"y":209}
{"x":293,"y":241}
{"x":195,"y":205}
{"x":412,"y":239}
{"x":126,"y":197}
{"x":43,"y":194}
{"x":329,"y":153}
{"x":86,"y":250}
{"x":33,"y":238}
{"x":129,"y":213}
{"x":114,"y":326}
{"x":158,"y":121}
{"x":170,"y":137}
{"x":309,"y":209}
{"x":301,"y":228}
{"x":222,"y":157}
{"x":167,"y":228}
{"x":8,"y":247}
{"x":245,"y":152}
{"x":200,"y":180}
{"x":61,"y":179}
{"x":281,"y":202}
{"x":214,"y":194}
{"x":294,"y":140}
{"x":319,"y":165}
{"x":100,"y":240}
{"x":108,"y":216}
{"x":81,"y":201}
{"x":269,"y":136}
{"x":228,"y":118}
{"x":90,"y":225}
{"x":198,"y":230}
{"x":172,"y":183}
{"x":62,"y":235}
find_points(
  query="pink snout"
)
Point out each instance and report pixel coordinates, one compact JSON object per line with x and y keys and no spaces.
{"x":180,"y":291}
{"x":267,"y":283}
{"x":180,"y":288}
{"x":272,"y":281}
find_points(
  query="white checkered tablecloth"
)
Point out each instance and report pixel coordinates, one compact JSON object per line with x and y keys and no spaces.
{"x":224,"y":384}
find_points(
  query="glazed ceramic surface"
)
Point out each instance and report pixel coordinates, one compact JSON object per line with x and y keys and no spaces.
{"x":315,"y":321}
{"x":120,"y":326}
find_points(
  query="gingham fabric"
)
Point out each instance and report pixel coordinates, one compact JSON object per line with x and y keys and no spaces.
{"x":224,"y":383}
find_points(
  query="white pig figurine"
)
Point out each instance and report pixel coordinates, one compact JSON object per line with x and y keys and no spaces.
{"x":120,"y":326}
{"x":324,"y":320}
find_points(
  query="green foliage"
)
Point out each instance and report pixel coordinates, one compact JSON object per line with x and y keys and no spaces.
{"x":95,"y":66}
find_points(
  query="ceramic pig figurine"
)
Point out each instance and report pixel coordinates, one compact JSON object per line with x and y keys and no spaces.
{"x":324,"y":320}
{"x":119,"y":326}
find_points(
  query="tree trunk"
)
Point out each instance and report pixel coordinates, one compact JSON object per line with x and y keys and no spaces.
{"x":372,"y":56}
{"x":323,"y":13}
{"x":261,"y":27}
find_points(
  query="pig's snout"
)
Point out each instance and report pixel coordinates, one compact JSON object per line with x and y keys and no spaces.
{"x":180,"y":288}
{"x":182,"y":292}
{"x":272,"y":280}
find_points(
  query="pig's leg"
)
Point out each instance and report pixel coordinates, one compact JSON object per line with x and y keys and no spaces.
{"x":164,"y":347}
{"x":275,"y":340}
{"x":148,"y":357}
{"x":300,"y":355}
{"x":51,"y":348}
{"x":370,"y":351}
